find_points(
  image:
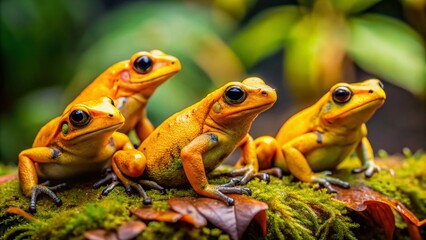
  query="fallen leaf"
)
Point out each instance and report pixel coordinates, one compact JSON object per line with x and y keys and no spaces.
{"x":7,"y":178}
{"x":379,"y":208}
{"x":189,"y":213}
{"x":152,"y":214}
{"x":100,"y":234}
{"x":234,"y":220}
{"x":130,"y":230}
{"x":20,"y":212}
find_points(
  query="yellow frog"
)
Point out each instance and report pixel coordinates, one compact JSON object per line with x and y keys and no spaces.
{"x":193,"y":142}
{"x":320,"y":137}
{"x":130,"y":84}
{"x":79,"y":142}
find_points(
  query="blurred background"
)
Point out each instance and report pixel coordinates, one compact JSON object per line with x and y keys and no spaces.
{"x":50,"y":50}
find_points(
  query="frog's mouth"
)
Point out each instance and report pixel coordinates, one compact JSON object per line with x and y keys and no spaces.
{"x":366,"y":105}
{"x":98,"y":131}
{"x":156,"y":79}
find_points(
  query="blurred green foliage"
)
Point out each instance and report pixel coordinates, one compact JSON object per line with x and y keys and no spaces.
{"x":323,"y":38}
{"x":52,"y":49}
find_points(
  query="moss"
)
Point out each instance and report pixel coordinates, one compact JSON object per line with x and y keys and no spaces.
{"x":296,"y":210}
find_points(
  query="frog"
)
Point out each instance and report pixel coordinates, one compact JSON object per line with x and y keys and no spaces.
{"x":130,"y":84}
{"x":317,"y":139}
{"x":79,"y":142}
{"x":187,"y":146}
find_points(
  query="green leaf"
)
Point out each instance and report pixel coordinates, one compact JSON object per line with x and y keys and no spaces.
{"x":390,"y":49}
{"x":353,"y":6}
{"x":265,"y":34}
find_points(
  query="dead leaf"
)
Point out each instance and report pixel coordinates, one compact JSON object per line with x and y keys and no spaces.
{"x":130,"y":230}
{"x":234,"y":220}
{"x":379,"y":208}
{"x":100,"y":234}
{"x":152,"y":214}
{"x":8,"y":178}
{"x":20,"y":212}
{"x":189,"y":213}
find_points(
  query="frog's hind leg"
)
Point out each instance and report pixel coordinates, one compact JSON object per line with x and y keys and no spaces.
{"x":268,"y":154}
{"x":129,"y":162}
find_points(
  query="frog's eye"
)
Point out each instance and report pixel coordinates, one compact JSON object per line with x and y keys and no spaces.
{"x":234,"y":94}
{"x":79,"y":118}
{"x":342,"y":94}
{"x":142,"y":64}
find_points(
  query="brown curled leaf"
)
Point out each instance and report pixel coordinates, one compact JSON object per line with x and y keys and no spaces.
{"x":184,"y":206}
{"x":100,"y":234}
{"x":234,"y":220}
{"x":130,"y":230}
{"x":379,"y":208}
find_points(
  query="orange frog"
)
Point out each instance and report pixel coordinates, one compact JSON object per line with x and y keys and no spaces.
{"x":193,"y":142}
{"x":320,"y":137}
{"x":130,"y":84}
{"x":79,"y":142}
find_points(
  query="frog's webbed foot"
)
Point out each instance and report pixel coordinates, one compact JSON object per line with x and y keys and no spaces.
{"x":220,"y":190}
{"x":109,"y":176}
{"x":128,"y":185}
{"x":248,"y":174}
{"x":49,"y":191}
{"x":370,"y":168}
{"x":324,"y":179}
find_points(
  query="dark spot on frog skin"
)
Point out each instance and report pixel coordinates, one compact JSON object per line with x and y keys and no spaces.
{"x":320,"y":137}
{"x":111,"y":142}
{"x":213,"y":137}
{"x":158,"y":134}
{"x":55,"y":153}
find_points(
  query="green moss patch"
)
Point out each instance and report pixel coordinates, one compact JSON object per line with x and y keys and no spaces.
{"x":296,"y":210}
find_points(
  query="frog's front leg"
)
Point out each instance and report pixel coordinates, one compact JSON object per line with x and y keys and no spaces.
{"x":144,"y":127}
{"x":192,"y":160}
{"x":28,"y":175}
{"x":299,"y":166}
{"x":365,"y":153}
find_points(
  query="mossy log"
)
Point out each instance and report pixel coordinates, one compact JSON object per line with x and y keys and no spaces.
{"x":296,"y":210}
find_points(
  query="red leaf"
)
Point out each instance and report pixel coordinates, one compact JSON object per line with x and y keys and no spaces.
{"x":233,"y":219}
{"x":130,"y":230}
{"x":379,"y":207}
{"x":152,"y":214}
{"x":190,"y":214}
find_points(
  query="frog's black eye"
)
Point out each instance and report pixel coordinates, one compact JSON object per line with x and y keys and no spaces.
{"x":79,"y":118}
{"x":381,"y":85}
{"x":342,"y":94}
{"x":234,"y":94}
{"x":142,"y":64}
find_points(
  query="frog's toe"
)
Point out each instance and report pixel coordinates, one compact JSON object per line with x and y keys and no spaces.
{"x":359,"y":170}
{"x":46,"y":190}
{"x":263,"y":176}
{"x":147,"y":201}
{"x":110,"y":187}
{"x":276,"y":172}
